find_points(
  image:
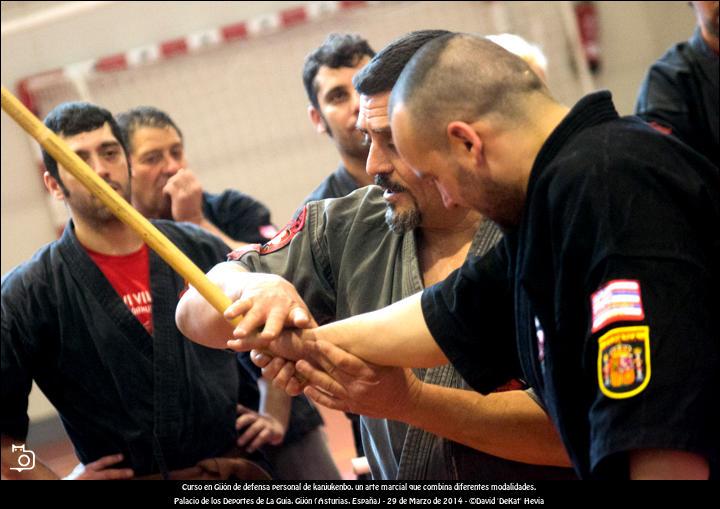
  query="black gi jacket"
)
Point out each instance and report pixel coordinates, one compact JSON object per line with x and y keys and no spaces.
{"x":156,"y":399}
{"x":610,"y":203}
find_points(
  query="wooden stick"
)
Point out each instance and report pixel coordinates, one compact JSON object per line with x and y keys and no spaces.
{"x":116,"y":203}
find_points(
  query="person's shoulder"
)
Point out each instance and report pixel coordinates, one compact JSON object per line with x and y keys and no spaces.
{"x":365,"y":202}
{"x":186,"y":233}
{"x":624,"y":154}
{"x":361,"y":214}
{"x":35,"y":271}
{"x":626,"y":138}
{"x":177,"y":228}
{"x":228,"y":196}
{"x":676,"y":60}
{"x":591,"y":153}
{"x":336,"y":185}
{"x":323,"y":191}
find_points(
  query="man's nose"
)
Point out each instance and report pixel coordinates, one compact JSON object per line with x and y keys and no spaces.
{"x":99,"y":166}
{"x":355,"y":104}
{"x":172,"y":164}
{"x":377,"y":163}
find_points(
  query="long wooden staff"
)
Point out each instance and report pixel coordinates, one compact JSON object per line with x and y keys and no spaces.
{"x":115,"y":203}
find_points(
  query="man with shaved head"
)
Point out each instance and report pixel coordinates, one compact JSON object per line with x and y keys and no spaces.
{"x":418,"y":243}
{"x":602,"y":292}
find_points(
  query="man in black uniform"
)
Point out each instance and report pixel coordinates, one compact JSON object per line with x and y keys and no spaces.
{"x":680,"y":92}
{"x":604,"y":285}
{"x":90,"y":319}
{"x":327,"y":75}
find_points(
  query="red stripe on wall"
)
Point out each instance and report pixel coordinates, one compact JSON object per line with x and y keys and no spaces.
{"x":236,"y":31}
{"x":112,"y":63}
{"x":292,"y":17}
{"x":172,"y":48}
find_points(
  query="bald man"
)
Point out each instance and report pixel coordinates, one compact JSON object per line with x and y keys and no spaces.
{"x":600,"y":295}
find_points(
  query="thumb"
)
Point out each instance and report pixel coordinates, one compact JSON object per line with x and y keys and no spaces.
{"x":299,"y":318}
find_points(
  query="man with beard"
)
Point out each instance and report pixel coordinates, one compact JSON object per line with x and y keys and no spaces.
{"x":344,"y":259}
{"x":90,"y":319}
{"x":680,"y":93}
{"x":333,"y":109}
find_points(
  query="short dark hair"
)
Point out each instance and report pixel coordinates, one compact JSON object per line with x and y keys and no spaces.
{"x":338,"y":50}
{"x":381,"y":73}
{"x":463,"y":77}
{"x":71,"y":118}
{"x":143,"y":116}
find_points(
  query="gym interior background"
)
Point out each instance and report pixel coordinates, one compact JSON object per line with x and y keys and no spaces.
{"x":230,"y":74}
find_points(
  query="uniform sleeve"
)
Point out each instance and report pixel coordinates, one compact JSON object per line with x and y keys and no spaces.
{"x":470,"y":315}
{"x":643,"y":224}
{"x":239,"y":216}
{"x":662,"y":101}
{"x":16,"y":375}
{"x":299,"y":254}
{"x":653,"y":358}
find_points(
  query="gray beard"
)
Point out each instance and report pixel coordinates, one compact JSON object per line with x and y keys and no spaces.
{"x":400,"y":223}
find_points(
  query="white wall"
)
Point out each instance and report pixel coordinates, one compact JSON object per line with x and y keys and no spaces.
{"x":634,"y":34}
{"x":38,"y":38}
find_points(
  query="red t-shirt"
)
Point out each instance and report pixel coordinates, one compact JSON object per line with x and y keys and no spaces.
{"x":130,"y":276}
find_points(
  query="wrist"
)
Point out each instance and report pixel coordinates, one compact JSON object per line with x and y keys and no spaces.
{"x":409,"y":406}
{"x":307,"y":343}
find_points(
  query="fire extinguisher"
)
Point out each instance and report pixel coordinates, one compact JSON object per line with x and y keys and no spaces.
{"x":589,"y":28}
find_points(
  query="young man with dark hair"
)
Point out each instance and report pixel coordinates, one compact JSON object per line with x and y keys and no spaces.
{"x":333,"y":109}
{"x":165,"y":188}
{"x":90,"y":318}
{"x":327,"y":76}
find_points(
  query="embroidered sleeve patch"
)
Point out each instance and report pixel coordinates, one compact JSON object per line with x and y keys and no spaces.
{"x":513,"y":385}
{"x":279,"y":241}
{"x":616,"y":301}
{"x":624,"y":361}
{"x":661,"y":128}
{"x":268,"y":231}
{"x":238,"y":253}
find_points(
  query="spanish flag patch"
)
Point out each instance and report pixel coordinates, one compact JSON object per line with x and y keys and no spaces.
{"x":624,"y":361}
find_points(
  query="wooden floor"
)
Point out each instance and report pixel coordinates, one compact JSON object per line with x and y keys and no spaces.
{"x":60,"y":457}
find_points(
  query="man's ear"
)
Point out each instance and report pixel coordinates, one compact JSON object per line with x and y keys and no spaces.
{"x":317,"y":120}
{"x":53,"y":186}
{"x":465,"y":140}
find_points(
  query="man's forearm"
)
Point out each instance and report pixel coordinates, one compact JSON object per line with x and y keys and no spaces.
{"x":197,"y":319}
{"x":274,"y":402}
{"x":661,"y":464}
{"x":393,"y":336}
{"x":508,"y":424}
